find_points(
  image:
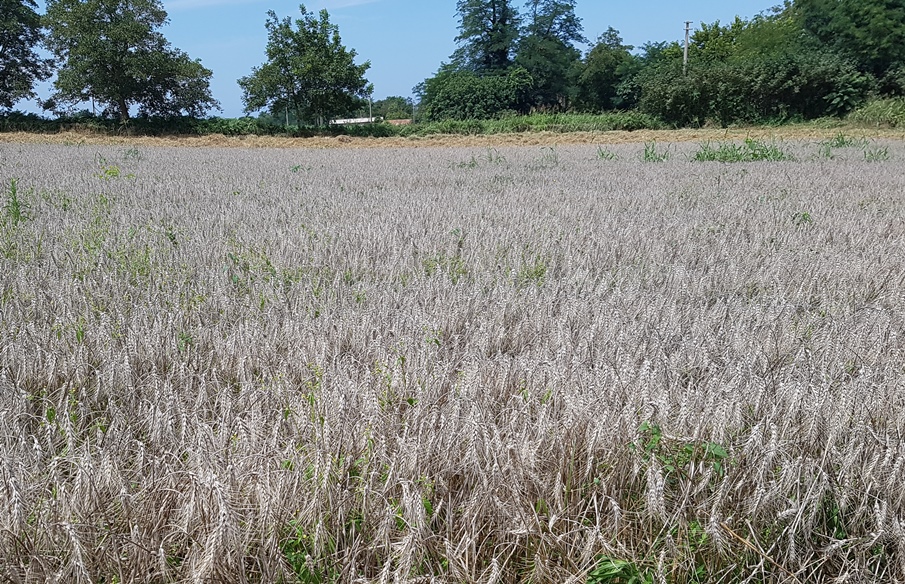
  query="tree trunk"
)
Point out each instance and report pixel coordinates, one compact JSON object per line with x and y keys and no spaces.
{"x":123,"y":110}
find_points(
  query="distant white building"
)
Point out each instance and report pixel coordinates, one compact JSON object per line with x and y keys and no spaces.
{"x":354,"y":121}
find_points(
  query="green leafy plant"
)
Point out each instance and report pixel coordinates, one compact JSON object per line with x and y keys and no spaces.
{"x":15,"y":210}
{"x":676,"y":455}
{"x":297,"y":546}
{"x":802,"y":218}
{"x":651,"y":154}
{"x":750,"y":151}
{"x":614,"y":571}
{"x":604,"y":154}
{"x":184,"y":341}
{"x":841,"y":140}
{"x":132,"y":154}
{"x":533,"y":272}
{"x":879,"y":154}
{"x":881,"y":112}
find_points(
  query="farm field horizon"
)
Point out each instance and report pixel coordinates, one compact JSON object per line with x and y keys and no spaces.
{"x":600,"y":358}
{"x":792,"y":132}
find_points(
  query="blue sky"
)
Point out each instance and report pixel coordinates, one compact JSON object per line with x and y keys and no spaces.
{"x":405,"y":40}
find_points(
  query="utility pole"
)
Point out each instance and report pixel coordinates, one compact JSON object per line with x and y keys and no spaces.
{"x":685,"y":60}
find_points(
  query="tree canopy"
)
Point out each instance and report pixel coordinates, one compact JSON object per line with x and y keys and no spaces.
{"x":606,"y":66}
{"x":20,"y":65}
{"x":110,"y":51}
{"x":488,"y":31}
{"x":870,"y":31}
{"x":546,"y":50}
{"x":308,"y":70}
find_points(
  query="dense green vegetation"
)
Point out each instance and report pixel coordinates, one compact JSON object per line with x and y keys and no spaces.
{"x":20,"y":65}
{"x":111,"y":52}
{"x":265,"y":126}
{"x":804,"y":60}
{"x":308,"y":71}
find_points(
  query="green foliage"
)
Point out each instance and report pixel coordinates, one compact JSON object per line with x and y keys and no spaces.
{"x":802,"y":218}
{"x":15,"y":210}
{"x":20,"y":64}
{"x":870,"y":31}
{"x":553,"y":19}
{"x":604,"y":154}
{"x":297,"y":546}
{"x":675,"y":455}
{"x":801,"y":85}
{"x":841,"y":140}
{"x":750,"y":72}
{"x":493,"y":156}
{"x":464,"y":95}
{"x":308,"y":70}
{"x":533,"y":272}
{"x":559,"y":123}
{"x":879,"y":154}
{"x":553,"y":67}
{"x":393,"y":108}
{"x":614,"y":571}
{"x":155,"y":126}
{"x":881,"y":112}
{"x":546,"y":49}
{"x":606,"y":68}
{"x":652,"y":155}
{"x":488,"y":30}
{"x":750,"y":151}
{"x":111,"y":52}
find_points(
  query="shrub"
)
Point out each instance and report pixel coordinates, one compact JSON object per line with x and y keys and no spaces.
{"x":881,"y":112}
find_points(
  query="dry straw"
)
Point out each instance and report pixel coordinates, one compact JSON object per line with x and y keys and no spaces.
{"x":451,"y":365}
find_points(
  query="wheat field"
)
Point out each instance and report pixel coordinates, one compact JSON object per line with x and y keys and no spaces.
{"x":558,"y":364}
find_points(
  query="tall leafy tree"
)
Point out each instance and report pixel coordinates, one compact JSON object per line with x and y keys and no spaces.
{"x":488,"y":31}
{"x":308,"y":70}
{"x":554,"y":19}
{"x":870,"y":31}
{"x":547,"y":50}
{"x":606,"y":66}
{"x":20,"y":65}
{"x":111,"y":51}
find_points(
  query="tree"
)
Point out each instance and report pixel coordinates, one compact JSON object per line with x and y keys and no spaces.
{"x":393,"y":108}
{"x":308,"y":70}
{"x":110,"y":52}
{"x":753,"y":71}
{"x":554,"y":19}
{"x":20,"y":65}
{"x":459,"y":94}
{"x":488,"y":31}
{"x":606,"y":66}
{"x":546,"y":50}
{"x":870,"y":31}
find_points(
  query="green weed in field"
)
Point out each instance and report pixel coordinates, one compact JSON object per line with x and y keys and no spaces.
{"x":879,"y":154}
{"x":651,"y":154}
{"x":614,"y":571}
{"x":15,"y":210}
{"x":750,"y":151}
{"x":604,"y":154}
{"x":841,"y":140}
